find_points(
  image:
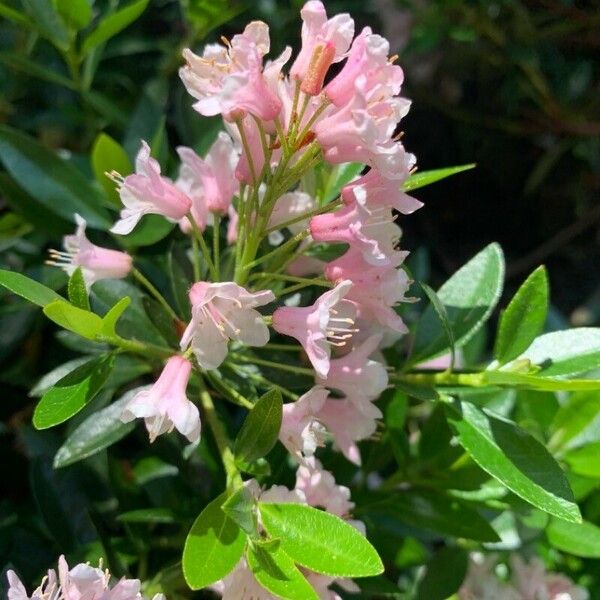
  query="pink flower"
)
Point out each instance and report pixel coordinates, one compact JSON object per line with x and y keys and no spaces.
{"x":300,"y":432}
{"x":305,"y":265}
{"x":229,"y":80}
{"x":96,"y":263}
{"x":289,"y":207}
{"x":232,"y":225}
{"x":243,"y":172}
{"x":165,"y":405}
{"x":317,"y":32}
{"x":368,"y":56}
{"x":146,"y":192}
{"x":355,"y":374}
{"x":376,"y":191}
{"x":222,"y":312}
{"x":372,"y":231}
{"x":210,"y":182}
{"x":329,"y":321}
{"x":375,"y":290}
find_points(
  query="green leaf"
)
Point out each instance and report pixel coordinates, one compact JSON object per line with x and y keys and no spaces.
{"x":23,"y":64}
{"x":14,"y":15}
{"x":110,"y":319}
{"x":100,"y":430}
{"x":69,"y":317}
{"x":162,"y":320}
{"x":260,"y":430}
{"x":514,"y":458}
{"x":535,"y":382}
{"x":28,"y":288}
{"x":50,"y":379}
{"x":584,"y":461}
{"x":49,"y":22}
{"x":148,"y":515}
{"x":565,"y":352}
{"x":320,"y":541}
{"x":77,"y":291}
{"x":440,"y":310}
{"x":278,"y":574}
{"x":213,"y":546}
{"x":469,"y":297}
{"x":151,"y":229}
{"x":72,"y":392}
{"x":107,"y":156}
{"x":579,"y":539}
{"x":52,"y":181}
{"x":76,"y":13}
{"x":339,"y":176}
{"x":577,"y":422}
{"x":206,"y":15}
{"x":434,"y":511}
{"x":524,"y":318}
{"x":240,"y":508}
{"x":444,"y":574}
{"x":112,"y":24}
{"x":423,"y":178}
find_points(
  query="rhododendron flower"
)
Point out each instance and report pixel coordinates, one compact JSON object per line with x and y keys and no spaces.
{"x":375,"y":290}
{"x":370,"y":230}
{"x":481,"y":582}
{"x":147,"y":192}
{"x":329,"y":321}
{"x":210,"y":183}
{"x":96,"y":263}
{"x":300,"y":432}
{"x":355,"y":374}
{"x":289,"y":207}
{"x":165,"y":405}
{"x":229,"y":80}
{"x":318,"y":31}
{"x":222,"y":312}
{"x":305,"y":265}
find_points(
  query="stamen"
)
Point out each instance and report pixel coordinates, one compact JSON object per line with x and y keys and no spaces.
{"x":115,"y":176}
{"x":393,"y":59}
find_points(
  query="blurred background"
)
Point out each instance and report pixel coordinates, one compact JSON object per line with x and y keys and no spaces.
{"x":511,"y":85}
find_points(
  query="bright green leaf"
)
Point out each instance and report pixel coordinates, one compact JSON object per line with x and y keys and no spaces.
{"x":535,"y":382}
{"x":213,"y":546}
{"x":320,"y":541}
{"x":339,"y":176}
{"x":107,"y":156}
{"x":260,"y":430}
{"x":585,"y":460}
{"x":109,"y":321}
{"x":577,"y":422}
{"x":423,"y":178}
{"x":240,"y":508}
{"x":77,"y":291}
{"x":565,"y":352}
{"x":469,"y":297}
{"x":76,"y":13}
{"x":100,"y":430}
{"x":278,"y":574}
{"x":72,"y":393}
{"x":52,"y":181}
{"x":523,"y":318}
{"x":28,"y":288}
{"x":515,"y":458}
{"x":79,"y":321}
{"x":112,"y":24}
{"x":440,"y":310}
{"x":579,"y":539}
{"x":50,"y":379}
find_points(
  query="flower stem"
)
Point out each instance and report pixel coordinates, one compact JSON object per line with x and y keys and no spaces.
{"x":154,"y":292}
{"x":203,"y":247}
{"x":307,"y":215}
{"x":441,"y":378}
{"x":246,"y":146}
{"x":216,"y":244}
{"x":275,"y":365}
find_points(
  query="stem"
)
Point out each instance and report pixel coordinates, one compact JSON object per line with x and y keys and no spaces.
{"x":240,"y":126}
{"x":136,"y":347}
{"x":154,"y":292}
{"x":282,"y":367}
{"x":442,"y":378}
{"x":281,"y":277}
{"x":228,"y":392}
{"x":234,"y":479}
{"x":284,"y":247}
{"x":203,"y":247}
{"x":216,"y":244}
{"x":306,"y":215}
{"x":196,"y":259}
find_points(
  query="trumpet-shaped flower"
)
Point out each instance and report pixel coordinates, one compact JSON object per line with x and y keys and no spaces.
{"x":328,"y":322}
{"x":147,"y":192}
{"x":222,"y":312}
{"x":96,"y":263}
{"x":165,"y":405}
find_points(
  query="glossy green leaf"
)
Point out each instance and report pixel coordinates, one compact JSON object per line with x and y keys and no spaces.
{"x":112,"y":24}
{"x":577,"y":422}
{"x":278,"y":574}
{"x":260,"y":430}
{"x":162,"y":320}
{"x":100,"y":430}
{"x":579,"y":539}
{"x":28,"y":288}
{"x":515,"y":458}
{"x":52,"y":181}
{"x":434,"y":512}
{"x":51,"y":378}
{"x":76,"y":13}
{"x":77,"y":291}
{"x":70,"y":394}
{"x":110,"y":319}
{"x":444,"y":574}
{"x":108,"y":156}
{"x":151,"y":229}
{"x":524,"y":317}
{"x":49,"y":22}
{"x":565,"y":352}
{"x":79,"y":321}
{"x":240,"y":508}
{"x":535,"y":382}
{"x":213,"y":546}
{"x":423,"y":178}
{"x":440,"y":310}
{"x":320,"y":541}
{"x":469,"y":297}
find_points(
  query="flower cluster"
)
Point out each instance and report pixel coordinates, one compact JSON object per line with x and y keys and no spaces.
{"x":81,"y":582}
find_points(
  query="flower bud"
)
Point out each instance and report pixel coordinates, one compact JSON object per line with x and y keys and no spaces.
{"x":322,"y":57}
